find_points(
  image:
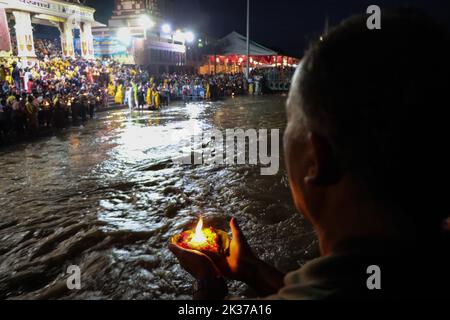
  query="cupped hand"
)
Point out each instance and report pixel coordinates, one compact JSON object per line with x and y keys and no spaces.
{"x":199,"y":265}
{"x":240,"y":262}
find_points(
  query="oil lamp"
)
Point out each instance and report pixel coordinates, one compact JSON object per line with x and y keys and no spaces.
{"x":207,"y":240}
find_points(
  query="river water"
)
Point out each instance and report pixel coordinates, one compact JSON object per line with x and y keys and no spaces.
{"x":107,"y":198}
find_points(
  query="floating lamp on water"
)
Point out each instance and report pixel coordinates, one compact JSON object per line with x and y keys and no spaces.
{"x":201,"y":239}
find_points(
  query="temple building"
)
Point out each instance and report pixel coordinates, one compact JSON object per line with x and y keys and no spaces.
{"x":127,"y":13}
{"x":68,"y":16}
{"x":136,"y":34}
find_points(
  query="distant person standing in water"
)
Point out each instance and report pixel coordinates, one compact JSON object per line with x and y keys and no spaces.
{"x":366,"y":155}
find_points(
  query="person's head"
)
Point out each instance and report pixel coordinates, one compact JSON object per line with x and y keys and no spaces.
{"x":365,"y":141}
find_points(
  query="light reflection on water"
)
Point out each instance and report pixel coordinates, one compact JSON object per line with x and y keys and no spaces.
{"x":108,"y":198}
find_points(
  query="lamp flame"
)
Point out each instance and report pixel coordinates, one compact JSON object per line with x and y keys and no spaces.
{"x":203,"y":239}
{"x":199,"y":236}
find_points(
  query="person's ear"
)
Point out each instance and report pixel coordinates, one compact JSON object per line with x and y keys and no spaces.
{"x":324,"y":167}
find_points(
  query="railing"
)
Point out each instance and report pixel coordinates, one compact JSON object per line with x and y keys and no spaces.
{"x":279,"y":85}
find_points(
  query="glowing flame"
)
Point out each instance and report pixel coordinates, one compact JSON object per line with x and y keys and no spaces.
{"x":199,"y":237}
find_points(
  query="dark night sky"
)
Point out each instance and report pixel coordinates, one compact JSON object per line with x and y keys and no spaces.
{"x":286,"y":25}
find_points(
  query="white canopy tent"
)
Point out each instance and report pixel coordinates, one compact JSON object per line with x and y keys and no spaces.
{"x":236,"y":44}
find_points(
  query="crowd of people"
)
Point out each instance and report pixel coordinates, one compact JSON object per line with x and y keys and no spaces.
{"x":47,"y":94}
{"x":53,"y":92}
{"x":157,"y":91}
{"x":144,"y":90}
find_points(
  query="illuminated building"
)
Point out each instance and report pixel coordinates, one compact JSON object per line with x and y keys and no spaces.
{"x":67,"y":16}
{"x":137,"y":33}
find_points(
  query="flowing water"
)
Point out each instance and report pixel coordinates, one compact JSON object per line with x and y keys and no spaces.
{"x":107,"y":198}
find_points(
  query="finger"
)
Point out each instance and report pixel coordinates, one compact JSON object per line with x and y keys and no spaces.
{"x":181,"y":252}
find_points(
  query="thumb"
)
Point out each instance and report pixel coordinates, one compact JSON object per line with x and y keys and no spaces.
{"x":236,"y":231}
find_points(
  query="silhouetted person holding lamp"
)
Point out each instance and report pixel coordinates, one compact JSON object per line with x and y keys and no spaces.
{"x":365,"y":152}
